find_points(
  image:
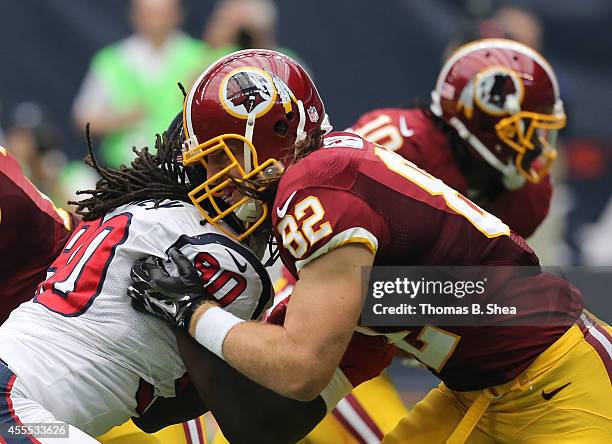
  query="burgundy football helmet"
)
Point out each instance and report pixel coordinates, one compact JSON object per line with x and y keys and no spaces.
{"x":502,"y":97}
{"x":265,"y":102}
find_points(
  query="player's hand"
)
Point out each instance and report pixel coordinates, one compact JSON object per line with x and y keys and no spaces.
{"x":171,"y":298}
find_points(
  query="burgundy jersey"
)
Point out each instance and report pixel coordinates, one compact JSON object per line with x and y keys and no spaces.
{"x":414,"y":136}
{"x":354,"y":191}
{"x":32,"y":234}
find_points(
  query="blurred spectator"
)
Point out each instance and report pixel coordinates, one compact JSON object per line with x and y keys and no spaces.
{"x":509,"y":21}
{"x":35,"y":144}
{"x":243,"y":24}
{"x":129,"y":93}
{"x":520,"y":24}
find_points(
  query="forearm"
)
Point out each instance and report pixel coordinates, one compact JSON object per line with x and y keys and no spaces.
{"x":275,"y":360}
{"x":271,"y":356}
{"x":246,"y":411}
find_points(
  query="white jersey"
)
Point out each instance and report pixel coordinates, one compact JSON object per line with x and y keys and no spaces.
{"x":82,"y":351}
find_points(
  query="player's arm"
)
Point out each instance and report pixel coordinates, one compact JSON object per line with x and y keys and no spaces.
{"x":246,"y":411}
{"x":339,"y":236}
{"x":524,"y":209}
{"x":16,"y":210}
{"x":186,"y":405}
{"x":297,"y":359}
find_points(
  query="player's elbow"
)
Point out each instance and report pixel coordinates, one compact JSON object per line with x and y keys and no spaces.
{"x":306,"y":392}
{"x":310,"y":384}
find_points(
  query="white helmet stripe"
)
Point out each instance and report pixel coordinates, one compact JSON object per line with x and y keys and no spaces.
{"x":248,"y":134}
{"x":301,"y":135}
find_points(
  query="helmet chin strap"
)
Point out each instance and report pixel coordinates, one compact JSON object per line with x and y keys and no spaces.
{"x":301,"y":134}
{"x":512,"y":179}
{"x":251,"y":211}
{"x":326,"y":125}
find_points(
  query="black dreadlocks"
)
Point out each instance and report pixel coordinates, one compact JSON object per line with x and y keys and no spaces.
{"x":484,"y":181}
{"x":157,"y":176}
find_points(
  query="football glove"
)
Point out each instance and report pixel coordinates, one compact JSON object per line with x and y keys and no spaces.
{"x":171,"y":298}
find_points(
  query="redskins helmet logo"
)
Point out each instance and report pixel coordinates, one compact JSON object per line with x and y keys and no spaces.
{"x":246,"y":91}
{"x":497,"y":91}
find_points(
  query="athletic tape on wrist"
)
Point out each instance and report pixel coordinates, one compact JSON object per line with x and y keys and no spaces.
{"x":212,"y":328}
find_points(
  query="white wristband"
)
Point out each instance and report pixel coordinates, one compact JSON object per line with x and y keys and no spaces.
{"x":212,"y":328}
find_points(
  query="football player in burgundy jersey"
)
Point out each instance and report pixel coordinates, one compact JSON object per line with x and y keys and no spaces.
{"x":430,"y":138}
{"x":32,"y":233}
{"x":465,"y":139}
{"x":337,"y":203}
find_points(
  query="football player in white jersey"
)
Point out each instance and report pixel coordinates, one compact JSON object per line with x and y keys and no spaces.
{"x":79,"y":353}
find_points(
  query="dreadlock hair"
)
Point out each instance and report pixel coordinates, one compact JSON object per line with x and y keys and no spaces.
{"x":482,"y":178}
{"x":154,"y":177}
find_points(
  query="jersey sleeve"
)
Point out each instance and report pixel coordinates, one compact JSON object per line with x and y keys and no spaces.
{"x":526,"y":208}
{"x":32,"y":233}
{"x":317,"y":220}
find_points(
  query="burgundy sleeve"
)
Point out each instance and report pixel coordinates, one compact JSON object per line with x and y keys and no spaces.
{"x":319,"y":220}
{"x":15,"y":216}
{"x":526,"y":208}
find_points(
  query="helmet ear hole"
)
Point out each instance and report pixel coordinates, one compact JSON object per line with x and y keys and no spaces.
{"x":281,"y":128}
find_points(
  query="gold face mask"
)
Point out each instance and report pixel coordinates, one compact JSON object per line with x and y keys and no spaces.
{"x":533,"y":136}
{"x":216,"y":187}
